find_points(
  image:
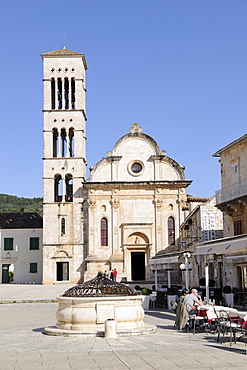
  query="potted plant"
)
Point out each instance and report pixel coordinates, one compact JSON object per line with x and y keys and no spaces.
{"x":202,"y":281}
{"x":146,"y":291}
{"x":172,"y":291}
{"x":211,"y":283}
{"x":228,"y":296}
{"x":11,"y":276}
{"x":146,"y":299}
{"x":227,"y":289}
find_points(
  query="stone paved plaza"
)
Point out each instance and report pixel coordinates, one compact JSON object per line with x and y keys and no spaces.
{"x":23,"y":346}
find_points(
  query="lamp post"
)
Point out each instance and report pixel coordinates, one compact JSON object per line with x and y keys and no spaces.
{"x":186,"y":266}
{"x":186,"y":256}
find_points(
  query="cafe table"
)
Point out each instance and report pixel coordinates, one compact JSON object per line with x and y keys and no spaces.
{"x":242,"y":315}
{"x":211,"y":313}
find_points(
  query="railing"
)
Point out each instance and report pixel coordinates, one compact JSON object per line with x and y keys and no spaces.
{"x":231,"y":192}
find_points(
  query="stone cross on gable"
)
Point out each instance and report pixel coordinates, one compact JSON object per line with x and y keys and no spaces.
{"x":136,"y":129}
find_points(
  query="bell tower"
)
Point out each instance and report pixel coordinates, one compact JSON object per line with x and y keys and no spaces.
{"x":64,"y":164}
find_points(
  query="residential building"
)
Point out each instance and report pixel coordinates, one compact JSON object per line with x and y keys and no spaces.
{"x":21,"y":247}
{"x":232,"y":201}
{"x":204,"y":223}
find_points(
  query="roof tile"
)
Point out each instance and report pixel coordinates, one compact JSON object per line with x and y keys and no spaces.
{"x":28,"y":220}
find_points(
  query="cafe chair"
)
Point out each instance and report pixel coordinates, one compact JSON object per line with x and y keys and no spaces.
{"x":226,"y":325}
{"x":243,"y":334}
{"x":161,"y":300}
{"x":194,"y":320}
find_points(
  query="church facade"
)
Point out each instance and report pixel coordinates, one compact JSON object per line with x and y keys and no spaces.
{"x":129,"y":209}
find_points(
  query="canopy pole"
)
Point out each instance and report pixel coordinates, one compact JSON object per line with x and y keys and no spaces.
{"x":207,"y":282}
{"x":169,"y":277}
{"x":156,"y":278}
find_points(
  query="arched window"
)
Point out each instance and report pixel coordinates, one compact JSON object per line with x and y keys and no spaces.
{"x":170,"y":207}
{"x":171,"y":231}
{"x":58,"y":188}
{"x":66,"y":93}
{"x":53,"y":94}
{"x":63,"y":142}
{"x":62,"y":226}
{"x":55,"y":142}
{"x":69,"y":188}
{"x":104,"y":231}
{"x":59,"y":93}
{"x":71,"y":142}
{"x":72,"y":93}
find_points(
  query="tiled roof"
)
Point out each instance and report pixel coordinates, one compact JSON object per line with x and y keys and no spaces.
{"x":61,"y":52}
{"x":171,"y":249}
{"x":191,"y":199}
{"x":65,"y":53}
{"x":19,"y":220}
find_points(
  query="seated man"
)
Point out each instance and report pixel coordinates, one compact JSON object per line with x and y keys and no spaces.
{"x":192,"y":299}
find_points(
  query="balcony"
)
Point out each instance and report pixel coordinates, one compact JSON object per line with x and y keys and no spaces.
{"x":232,"y":192}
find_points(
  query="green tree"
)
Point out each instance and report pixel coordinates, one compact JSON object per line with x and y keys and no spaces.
{"x":12,"y":203}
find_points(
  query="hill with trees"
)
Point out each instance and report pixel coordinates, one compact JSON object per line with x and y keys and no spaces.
{"x":12,"y":203}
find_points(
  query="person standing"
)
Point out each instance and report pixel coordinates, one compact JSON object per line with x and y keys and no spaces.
{"x":106,"y":275}
{"x":114,"y":275}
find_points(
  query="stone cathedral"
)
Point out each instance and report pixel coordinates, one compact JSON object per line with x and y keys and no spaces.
{"x":128,"y":210}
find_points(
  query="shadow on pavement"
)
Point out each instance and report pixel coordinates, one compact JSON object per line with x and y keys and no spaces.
{"x":165,"y":327}
{"x":232,"y":349}
{"x":161,"y":314}
{"x":38,"y":330}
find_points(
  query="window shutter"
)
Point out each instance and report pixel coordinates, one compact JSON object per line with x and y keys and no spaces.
{"x":33,"y":267}
{"x":8,"y":244}
{"x":34,"y":243}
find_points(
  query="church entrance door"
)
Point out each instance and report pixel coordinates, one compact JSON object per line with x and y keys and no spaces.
{"x":62,"y":271}
{"x":138,"y":266}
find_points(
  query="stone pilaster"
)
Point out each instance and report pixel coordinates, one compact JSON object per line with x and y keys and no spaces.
{"x":158,"y":223}
{"x":114,"y":225}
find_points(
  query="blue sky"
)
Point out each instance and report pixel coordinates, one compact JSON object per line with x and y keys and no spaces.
{"x":176,"y":67}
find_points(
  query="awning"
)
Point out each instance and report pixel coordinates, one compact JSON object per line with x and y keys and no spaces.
{"x":223,"y":246}
{"x":163,"y":260}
